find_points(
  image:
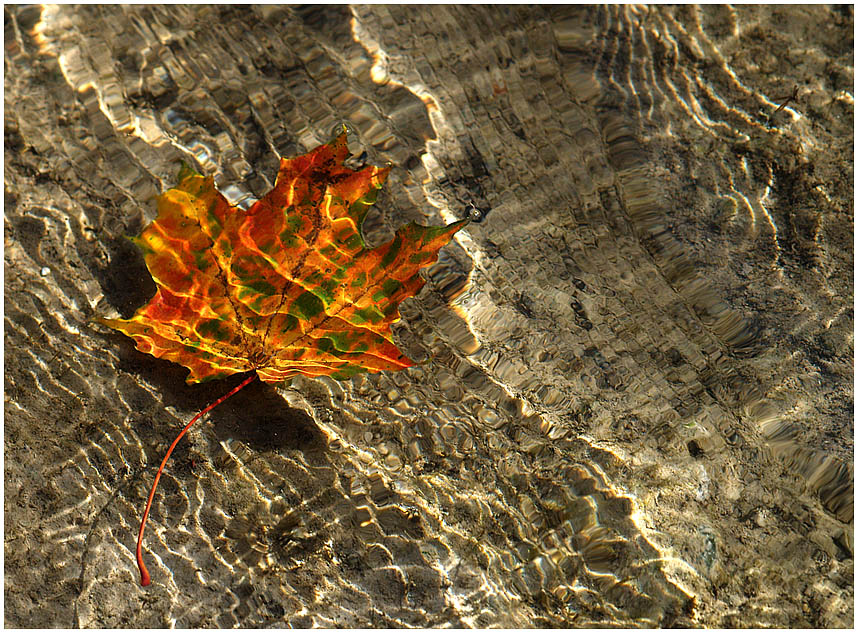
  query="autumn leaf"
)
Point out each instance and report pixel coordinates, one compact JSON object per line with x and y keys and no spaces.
{"x":286,"y":287}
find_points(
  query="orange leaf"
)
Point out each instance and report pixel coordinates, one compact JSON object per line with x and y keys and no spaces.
{"x":284,"y":288}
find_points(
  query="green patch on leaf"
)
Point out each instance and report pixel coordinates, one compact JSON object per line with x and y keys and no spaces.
{"x":306,"y":306}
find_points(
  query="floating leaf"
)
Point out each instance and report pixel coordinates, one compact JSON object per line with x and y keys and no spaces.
{"x":286,"y":287}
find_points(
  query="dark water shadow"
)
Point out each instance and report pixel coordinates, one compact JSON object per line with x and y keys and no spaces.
{"x":125,"y":281}
{"x":258,"y":416}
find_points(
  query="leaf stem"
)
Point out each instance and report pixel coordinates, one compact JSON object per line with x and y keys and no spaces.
{"x":144,"y":573}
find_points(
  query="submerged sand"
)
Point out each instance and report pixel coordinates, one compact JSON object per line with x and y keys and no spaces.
{"x":636,"y":405}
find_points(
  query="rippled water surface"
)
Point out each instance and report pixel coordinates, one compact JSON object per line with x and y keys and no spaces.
{"x":636,"y":405}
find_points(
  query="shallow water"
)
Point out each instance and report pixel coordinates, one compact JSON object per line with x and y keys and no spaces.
{"x":636,"y":408}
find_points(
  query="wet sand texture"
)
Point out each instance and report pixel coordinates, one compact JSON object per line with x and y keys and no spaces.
{"x":636,"y":408}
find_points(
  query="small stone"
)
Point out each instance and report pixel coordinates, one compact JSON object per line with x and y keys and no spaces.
{"x":45,"y":271}
{"x":392,"y":461}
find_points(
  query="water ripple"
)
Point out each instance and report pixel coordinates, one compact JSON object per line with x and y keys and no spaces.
{"x":633,"y":400}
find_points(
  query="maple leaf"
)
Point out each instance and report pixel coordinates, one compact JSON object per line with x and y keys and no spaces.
{"x":286,"y":287}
